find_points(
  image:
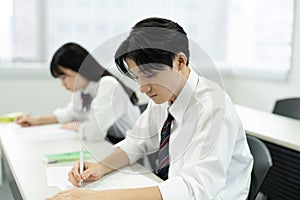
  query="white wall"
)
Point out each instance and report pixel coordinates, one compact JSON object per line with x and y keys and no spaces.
{"x":261,"y":94}
{"x":43,"y":95}
{"x":35,"y":95}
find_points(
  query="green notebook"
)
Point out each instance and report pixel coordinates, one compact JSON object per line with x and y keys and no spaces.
{"x":65,"y":157}
{"x":9,"y":117}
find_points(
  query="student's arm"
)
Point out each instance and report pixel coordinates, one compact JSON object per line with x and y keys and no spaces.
{"x":94,"y":171}
{"x":33,"y":121}
{"x":72,"y":112}
{"x":147,"y":193}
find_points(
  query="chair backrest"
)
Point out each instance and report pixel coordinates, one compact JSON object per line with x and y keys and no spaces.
{"x":288,"y":107}
{"x":262,"y":163}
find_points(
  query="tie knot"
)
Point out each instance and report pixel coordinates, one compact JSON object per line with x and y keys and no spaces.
{"x":86,"y":101}
{"x":170,"y":117}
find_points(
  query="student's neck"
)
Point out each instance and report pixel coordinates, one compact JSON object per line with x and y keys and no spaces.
{"x":85,"y":85}
{"x":185,"y":76}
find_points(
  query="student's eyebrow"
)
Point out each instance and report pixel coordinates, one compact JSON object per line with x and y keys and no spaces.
{"x":130,"y":71}
{"x":137,"y":71}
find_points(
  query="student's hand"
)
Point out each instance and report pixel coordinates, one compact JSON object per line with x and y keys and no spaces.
{"x":26,"y":121}
{"x":70,"y":126}
{"x":76,"y":194}
{"x":92,"y":172}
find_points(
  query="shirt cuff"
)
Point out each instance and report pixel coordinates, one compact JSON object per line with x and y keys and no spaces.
{"x":89,"y":131}
{"x":174,"y":189}
{"x":61,"y":116}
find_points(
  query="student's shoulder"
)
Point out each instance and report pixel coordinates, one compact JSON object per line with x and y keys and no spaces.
{"x":108,"y":80}
{"x":109,"y":84}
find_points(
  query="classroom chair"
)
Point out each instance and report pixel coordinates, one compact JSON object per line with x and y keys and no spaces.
{"x":288,"y":107}
{"x":262,"y":164}
{"x":115,"y":140}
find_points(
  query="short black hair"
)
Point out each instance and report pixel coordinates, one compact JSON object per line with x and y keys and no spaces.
{"x":152,"y":41}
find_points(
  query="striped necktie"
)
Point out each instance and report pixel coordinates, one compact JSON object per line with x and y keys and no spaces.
{"x":86,"y":101}
{"x":163,"y":154}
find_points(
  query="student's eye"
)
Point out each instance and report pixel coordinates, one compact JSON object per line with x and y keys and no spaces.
{"x":132,"y":76}
{"x":135,"y":78}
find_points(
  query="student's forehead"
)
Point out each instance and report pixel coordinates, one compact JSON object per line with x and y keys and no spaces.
{"x":132,"y":66}
{"x":130,"y":63}
{"x":62,"y":68}
{"x":66,"y":70}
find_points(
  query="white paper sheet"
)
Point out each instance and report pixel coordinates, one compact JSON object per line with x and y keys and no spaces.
{"x":124,"y":178}
{"x":58,"y":176}
{"x":40,"y":133}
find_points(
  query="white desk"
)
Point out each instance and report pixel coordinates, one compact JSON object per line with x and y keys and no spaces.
{"x":273,"y":128}
{"x":23,"y":149}
{"x":282,"y":137}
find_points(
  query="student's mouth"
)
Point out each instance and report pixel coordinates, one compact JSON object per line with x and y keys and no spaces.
{"x":152,"y":95}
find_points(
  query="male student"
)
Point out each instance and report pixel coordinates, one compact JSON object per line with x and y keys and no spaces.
{"x":90,"y":111}
{"x":190,"y":121}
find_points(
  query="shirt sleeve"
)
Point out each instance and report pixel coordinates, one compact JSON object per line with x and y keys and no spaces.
{"x":72,"y":112}
{"x":64,"y":115}
{"x":104,"y":112}
{"x":142,"y":138}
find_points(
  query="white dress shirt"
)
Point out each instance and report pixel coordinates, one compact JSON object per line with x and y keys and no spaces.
{"x":110,"y":107}
{"x":209,"y":154}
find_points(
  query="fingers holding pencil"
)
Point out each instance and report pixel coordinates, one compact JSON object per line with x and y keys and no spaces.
{"x":25,"y":120}
{"x":91,"y":172}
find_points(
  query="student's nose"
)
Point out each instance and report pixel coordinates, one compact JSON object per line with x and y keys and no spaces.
{"x":145,"y":88}
{"x":63,"y":82}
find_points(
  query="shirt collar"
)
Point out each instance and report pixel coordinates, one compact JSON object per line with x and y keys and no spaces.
{"x":181,"y":103}
{"x":91,"y":88}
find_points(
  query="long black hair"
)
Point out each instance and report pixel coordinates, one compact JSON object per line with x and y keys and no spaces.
{"x":75,"y":57}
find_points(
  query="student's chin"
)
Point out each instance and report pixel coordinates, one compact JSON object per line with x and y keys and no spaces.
{"x":158,"y":101}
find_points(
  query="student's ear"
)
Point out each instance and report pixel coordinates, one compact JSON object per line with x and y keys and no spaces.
{"x":181,"y":60}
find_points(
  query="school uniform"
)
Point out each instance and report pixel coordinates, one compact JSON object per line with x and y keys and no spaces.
{"x":100,"y":106}
{"x":208,"y":153}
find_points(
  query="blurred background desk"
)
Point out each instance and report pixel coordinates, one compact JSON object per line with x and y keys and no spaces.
{"x":22,"y":151}
{"x":282,"y":137}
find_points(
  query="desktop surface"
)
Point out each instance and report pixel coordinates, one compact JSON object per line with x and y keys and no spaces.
{"x":270,"y":127}
{"x":24,"y":148}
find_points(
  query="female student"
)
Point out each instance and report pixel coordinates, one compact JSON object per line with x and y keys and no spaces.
{"x":99,"y":101}
{"x":192,"y":123}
